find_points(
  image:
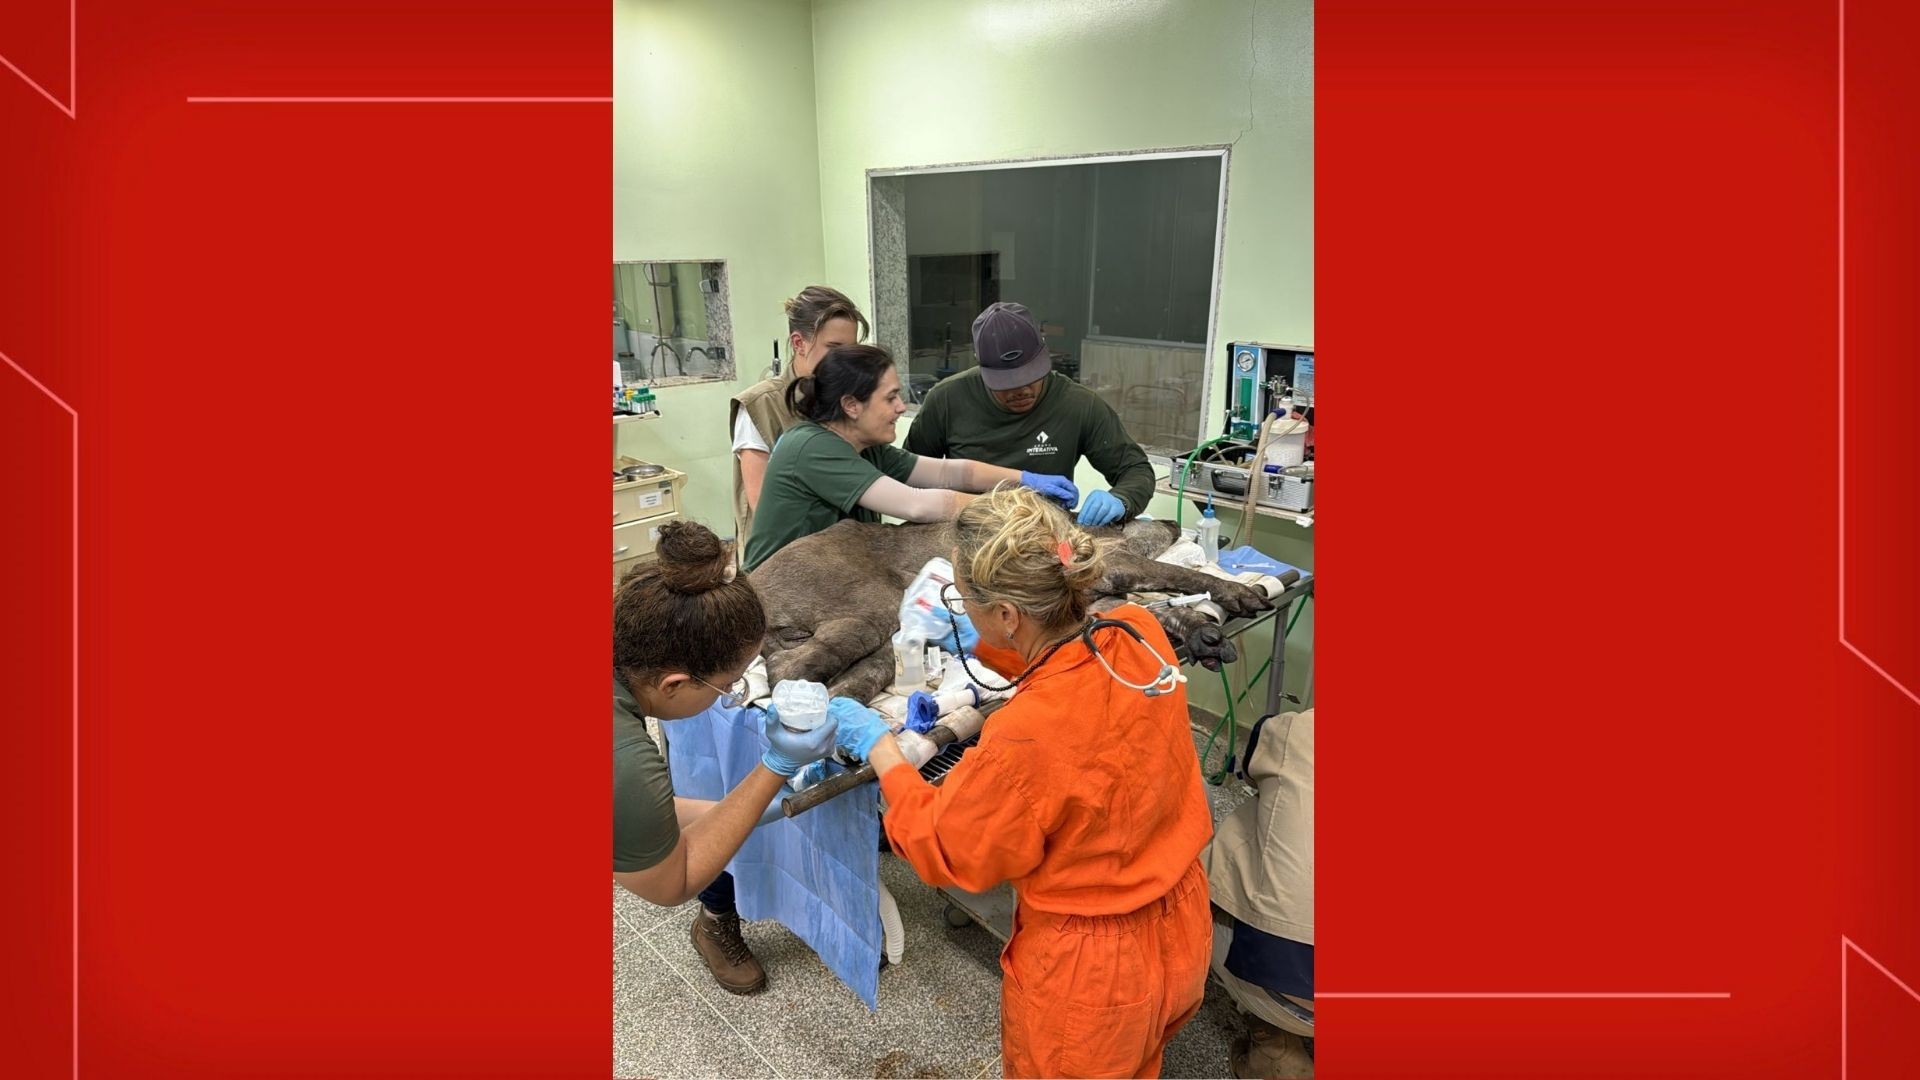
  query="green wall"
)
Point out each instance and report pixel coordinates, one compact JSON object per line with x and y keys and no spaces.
{"x":743,"y":130}
{"x":714,"y":157}
{"x":901,"y":83}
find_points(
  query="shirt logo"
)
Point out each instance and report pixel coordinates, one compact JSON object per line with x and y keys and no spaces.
{"x":1042,"y":445}
{"x":1043,"y":436}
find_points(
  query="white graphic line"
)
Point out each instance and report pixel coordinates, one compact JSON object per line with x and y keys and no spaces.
{"x":72,"y":104}
{"x":1847,"y":945}
{"x":1840,"y":350}
{"x":1882,"y":672}
{"x":74,"y":644}
{"x":1534,"y":995}
{"x":399,"y":100}
{"x":1841,"y":395}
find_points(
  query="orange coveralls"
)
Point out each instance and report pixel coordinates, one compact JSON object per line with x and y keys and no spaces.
{"x":1087,"y":796}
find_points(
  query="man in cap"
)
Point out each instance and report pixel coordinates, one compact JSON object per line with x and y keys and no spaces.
{"x":1015,"y":411}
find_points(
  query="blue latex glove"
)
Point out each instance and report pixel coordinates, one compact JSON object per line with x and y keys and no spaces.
{"x":1102,"y":508}
{"x":922,"y":711}
{"x":790,"y":751}
{"x":860,"y":727}
{"x":962,"y":637}
{"x":810,"y":774}
{"x":1053,"y":487}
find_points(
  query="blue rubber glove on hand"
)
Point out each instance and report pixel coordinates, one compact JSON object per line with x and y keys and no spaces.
{"x":790,"y":751}
{"x":1053,"y":487}
{"x":860,"y":727}
{"x":962,"y":638}
{"x":922,"y":711}
{"x":1102,"y":508}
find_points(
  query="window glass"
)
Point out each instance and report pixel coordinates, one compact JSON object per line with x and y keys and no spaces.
{"x":670,"y":323}
{"x":1115,"y":260}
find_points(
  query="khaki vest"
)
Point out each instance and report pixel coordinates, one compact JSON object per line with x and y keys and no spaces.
{"x":1260,"y":864}
{"x":766,"y":404}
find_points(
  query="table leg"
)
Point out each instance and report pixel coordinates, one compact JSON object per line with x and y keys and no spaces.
{"x":1277,"y":669}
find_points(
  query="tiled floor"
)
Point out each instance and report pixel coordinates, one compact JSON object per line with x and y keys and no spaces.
{"x":939,"y":1010}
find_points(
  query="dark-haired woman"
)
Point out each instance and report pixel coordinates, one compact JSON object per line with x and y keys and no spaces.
{"x":839,"y":461}
{"x":818,"y":319}
{"x":684,"y":632}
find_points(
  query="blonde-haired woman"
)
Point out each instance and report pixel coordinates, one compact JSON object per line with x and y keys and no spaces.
{"x":1084,"y":792}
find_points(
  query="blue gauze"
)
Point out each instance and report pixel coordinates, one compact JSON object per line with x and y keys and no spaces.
{"x":817,"y":874}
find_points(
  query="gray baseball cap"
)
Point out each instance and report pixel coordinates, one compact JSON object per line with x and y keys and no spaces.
{"x":1010,"y":347}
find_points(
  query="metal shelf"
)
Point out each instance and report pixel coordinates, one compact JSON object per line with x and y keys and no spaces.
{"x":1304,"y":519}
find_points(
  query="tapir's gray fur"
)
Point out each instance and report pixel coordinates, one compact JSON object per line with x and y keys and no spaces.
{"x":833,"y":598}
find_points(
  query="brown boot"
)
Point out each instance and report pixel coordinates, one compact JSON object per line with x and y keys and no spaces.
{"x":717,"y":939}
{"x":1267,"y":1052}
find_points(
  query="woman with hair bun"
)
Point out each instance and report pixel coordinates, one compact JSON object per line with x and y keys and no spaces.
{"x":839,"y":461}
{"x":685,"y":630}
{"x":1084,"y":792}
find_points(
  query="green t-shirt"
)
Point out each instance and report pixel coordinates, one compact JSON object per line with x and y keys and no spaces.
{"x":644,"y":828}
{"x":960,"y":419}
{"x":814,"y":479}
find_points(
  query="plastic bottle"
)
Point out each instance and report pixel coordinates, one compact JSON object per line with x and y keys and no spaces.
{"x":1210,"y":534}
{"x":802,"y":705}
{"x":923,"y":615}
{"x":910,"y":662}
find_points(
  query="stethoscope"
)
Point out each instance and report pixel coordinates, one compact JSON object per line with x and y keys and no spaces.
{"x":1164,"y":682}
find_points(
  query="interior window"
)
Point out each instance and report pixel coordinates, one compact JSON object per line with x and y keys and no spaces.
{"x":1115,"y":259}
{"x":670,"y":323}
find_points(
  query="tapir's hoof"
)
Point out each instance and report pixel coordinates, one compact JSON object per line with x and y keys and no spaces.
{"x":1239,"y":601}
{"x":1209,"y":648}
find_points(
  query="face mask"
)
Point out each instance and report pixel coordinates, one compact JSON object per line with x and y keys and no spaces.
{"x":1014,"y":674}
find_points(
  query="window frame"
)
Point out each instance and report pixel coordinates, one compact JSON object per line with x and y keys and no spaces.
{"x":725,"y":339}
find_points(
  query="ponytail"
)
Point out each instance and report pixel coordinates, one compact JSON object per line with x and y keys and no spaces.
{"x":847,"y":371}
